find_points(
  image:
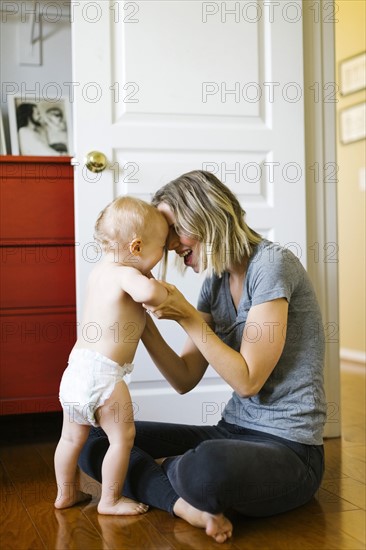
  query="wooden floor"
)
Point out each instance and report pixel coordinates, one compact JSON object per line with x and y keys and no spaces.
{"x":335,"y":519}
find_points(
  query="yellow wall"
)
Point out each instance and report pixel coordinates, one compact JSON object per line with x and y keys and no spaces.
{"x":350,"y":40}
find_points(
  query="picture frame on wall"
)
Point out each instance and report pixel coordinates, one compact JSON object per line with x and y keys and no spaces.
{"x":352,"y":123}
{"x":40,"y":127}
{"x":352,"y":74}
{"x":2,"y":136}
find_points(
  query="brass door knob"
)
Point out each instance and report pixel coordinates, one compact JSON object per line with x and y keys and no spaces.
{"x":96,"y":161}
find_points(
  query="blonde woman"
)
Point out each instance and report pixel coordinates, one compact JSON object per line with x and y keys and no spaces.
{"x":264,"y":338}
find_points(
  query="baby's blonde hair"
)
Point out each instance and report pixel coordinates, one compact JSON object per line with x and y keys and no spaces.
{"x":123,"y":220}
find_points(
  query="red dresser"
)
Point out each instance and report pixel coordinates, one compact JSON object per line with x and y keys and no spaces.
{"x":38,"y":317}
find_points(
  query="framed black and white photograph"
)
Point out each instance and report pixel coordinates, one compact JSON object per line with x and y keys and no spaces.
{"x":353,"y":123}
{"x":2,"y":137}
{"x":352,"y":74}
{"x":40,"y":127}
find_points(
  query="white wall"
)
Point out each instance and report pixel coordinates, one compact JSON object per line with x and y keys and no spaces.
{"x":55,"y":64}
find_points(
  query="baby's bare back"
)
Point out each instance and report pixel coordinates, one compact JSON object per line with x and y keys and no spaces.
{"x":112,"y":322}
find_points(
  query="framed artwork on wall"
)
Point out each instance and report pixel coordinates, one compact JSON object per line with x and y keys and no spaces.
{"x":40,"y":127}
{"x":352,"y":74}
{"x":352,"y":123}
{"x":2,"y":136}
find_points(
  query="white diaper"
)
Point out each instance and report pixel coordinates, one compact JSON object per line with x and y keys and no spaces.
{"x":87,"y":382}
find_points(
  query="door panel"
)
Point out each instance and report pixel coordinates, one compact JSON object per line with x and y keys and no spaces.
{"x":167,"y":87}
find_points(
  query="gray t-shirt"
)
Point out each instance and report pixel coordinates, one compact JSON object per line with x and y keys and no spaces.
{"x":291,"y":404}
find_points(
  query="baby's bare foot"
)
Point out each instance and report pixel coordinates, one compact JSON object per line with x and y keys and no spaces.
{"x":217,"y":526}
{"x":68,"y":500}
{"x":122,"y":507}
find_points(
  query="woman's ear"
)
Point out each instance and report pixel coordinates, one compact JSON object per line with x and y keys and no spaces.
{"x":135,"y":247}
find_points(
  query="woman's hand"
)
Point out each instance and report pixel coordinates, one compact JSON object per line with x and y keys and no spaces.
{"x":175,"y":307}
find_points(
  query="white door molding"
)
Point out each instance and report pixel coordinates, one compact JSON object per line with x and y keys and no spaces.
{"x":321,"y":187}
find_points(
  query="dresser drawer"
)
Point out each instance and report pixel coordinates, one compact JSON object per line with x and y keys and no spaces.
{"x":36,"y":202}
{"x":37,"y":276}
{"x":34,"y":350}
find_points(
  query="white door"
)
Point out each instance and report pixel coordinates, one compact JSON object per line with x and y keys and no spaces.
{"x":164,"y":87}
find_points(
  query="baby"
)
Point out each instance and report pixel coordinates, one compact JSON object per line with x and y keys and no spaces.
{"x":132,"y":234}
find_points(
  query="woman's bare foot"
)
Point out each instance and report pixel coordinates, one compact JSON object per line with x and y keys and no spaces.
{"x":122,"y":507}
{"x":70,"y":499}
{"x":217,"y":526}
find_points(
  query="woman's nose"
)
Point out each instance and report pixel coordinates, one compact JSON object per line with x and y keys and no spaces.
{"x":173,"y":240}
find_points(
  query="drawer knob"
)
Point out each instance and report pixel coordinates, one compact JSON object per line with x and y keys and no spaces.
{"x":96,"y":161}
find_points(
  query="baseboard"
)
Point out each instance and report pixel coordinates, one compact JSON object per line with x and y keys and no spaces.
{"x":353,"y":355}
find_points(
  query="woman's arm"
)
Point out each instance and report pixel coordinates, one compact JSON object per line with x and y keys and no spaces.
{"x":182,"y":372}
{"x":262,"y":343}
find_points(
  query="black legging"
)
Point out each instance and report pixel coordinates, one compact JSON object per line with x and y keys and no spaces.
{"x":214,"y":468}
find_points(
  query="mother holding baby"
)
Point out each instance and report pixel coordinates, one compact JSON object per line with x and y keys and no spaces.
{"x":264,"y":338}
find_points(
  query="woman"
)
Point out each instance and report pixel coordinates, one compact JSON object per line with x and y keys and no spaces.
{"x":31,"y":132}
{"x":263,"y":335}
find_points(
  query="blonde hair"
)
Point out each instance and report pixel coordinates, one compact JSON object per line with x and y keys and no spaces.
{"x":123,"y":220}
{"x":206,"y":210}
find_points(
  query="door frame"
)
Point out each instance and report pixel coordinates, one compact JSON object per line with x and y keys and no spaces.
{"x":321,"y":190}
{"x":321,"y":199}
